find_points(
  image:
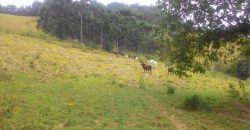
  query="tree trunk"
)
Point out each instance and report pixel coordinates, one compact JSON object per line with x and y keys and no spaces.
{"x":212,"y":67}
{"x":117,"y":46}
{"x":81,"y":30}
{"x":102,"y":36}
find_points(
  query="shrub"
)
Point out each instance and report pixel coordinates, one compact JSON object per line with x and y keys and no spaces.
{"x":113,"y":82}
{"x":121,"y":85}
{"x":195,"y":103}
{"x":233,"y":92}
{"x":170,"y":89}
{"x":244,"y":92}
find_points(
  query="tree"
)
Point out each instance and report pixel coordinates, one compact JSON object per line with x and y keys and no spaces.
{"x":55,"y":18}
{"x":11,"y":9}
{"x":197,"y":25}
{"x":36,"y":7}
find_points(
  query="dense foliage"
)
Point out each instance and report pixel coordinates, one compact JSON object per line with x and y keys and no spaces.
{"x":197,"y":26}
{"x":240,"y":69}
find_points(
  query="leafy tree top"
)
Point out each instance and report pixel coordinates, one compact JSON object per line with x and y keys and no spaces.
{"x":196,"y":25}
{"x":230,"y":16}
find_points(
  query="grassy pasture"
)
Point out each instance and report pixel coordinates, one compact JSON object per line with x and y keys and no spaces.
{"x":75,"y":102}
{"x":50,"y":84}
{"x":18,"y":23}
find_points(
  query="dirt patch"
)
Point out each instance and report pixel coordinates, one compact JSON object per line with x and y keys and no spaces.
{"x":98,"y":122}
{"x":244,"y":110}
{"x":59,"y":126}
{"x":239,"y":112}
{"x":113,"y":124}
{"x":233,"y":118}
{"x":131,"y":124}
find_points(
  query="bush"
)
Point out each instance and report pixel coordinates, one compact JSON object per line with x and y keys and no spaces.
{"x":241,"y":94}
{"x":170,"y":89}
{"x":121,"y":85}
{"x":233,"y":92}
{"x":195,"y":103}
{"x":244,"y":92}
{"x":113,"y":82}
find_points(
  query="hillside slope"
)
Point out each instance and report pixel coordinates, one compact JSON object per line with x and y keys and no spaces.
{"x":18,"y":23}
{"x":52,"y":84}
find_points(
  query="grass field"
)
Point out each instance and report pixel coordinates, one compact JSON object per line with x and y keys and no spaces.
{"x":18,"y":23}
{"x":50,"y":84}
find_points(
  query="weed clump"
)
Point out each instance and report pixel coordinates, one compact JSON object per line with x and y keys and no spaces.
{"x":241,"y":94}
{"x":195,"y":103}
{"x":142,"y":84}
{"x":244,"y":92}
{"x":5,"y":75}
{"x":233,"y":92}
{"x":32,"y":65}
{"x":113,"y":82}
{"x":170,"y":89}
{"x":121,"y":85}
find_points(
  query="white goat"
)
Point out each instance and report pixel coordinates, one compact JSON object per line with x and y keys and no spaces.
{"x":153,"y":63}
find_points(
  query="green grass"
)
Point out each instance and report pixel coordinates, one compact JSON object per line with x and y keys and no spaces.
{"x":215,"y":119}
{"x":46,"y":83}
{"x":72,"y":102}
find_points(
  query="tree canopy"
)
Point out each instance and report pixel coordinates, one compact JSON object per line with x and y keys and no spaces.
{"x":115,"y":26}
{"x":197,"y":25}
